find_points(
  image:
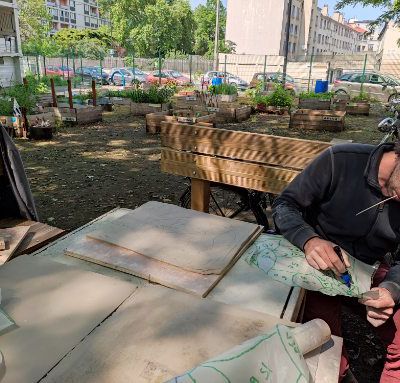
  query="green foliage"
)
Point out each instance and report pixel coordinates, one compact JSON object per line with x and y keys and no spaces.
{"x":278,"y":98}
{"x":390,"y":10}
{"x":223,"y":88}
{"x":154,"y":95}
{"x":26,"y":97}
{"x":362,"y":97}
{"x":205,"y":19}
{"x":6,"y":106}
{"x":319,"y":96}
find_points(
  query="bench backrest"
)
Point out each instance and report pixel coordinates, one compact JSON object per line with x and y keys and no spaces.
{"x":255,"y":161}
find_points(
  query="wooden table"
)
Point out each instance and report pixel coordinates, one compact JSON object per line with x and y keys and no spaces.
{"x":244,"y":285}
{"x":158,"y":332}
{"x":39,"y":234}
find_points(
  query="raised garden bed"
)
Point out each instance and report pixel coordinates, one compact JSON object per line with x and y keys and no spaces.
{"x":320,"y":120}
{"x":79,"y":114}
{"x":186,"y":101}
{"x":154,"y":120}
{"x":314,"y":103}
{"x":227,"y":112}
{"x":141,"y":109}
{"x":272,"y":109}
{"x":352,"y":108}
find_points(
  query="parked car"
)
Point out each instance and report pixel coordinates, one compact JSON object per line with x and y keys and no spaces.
{"x":271,"y":78}
{"x":154,"y":78}
{"x":230,"y":78}
{"x":92,"y":73}
{"x":121,"y":76}
{"x":178,"y":76}
{"x":376,"y":85}
{"x":139,"y":75}
{"x":54,"y":70}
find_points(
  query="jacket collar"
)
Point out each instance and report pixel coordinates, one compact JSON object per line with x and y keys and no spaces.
{"x":372,"y":168}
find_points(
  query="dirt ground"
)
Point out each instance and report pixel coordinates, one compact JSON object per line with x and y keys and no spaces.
{"x":86,"y":171}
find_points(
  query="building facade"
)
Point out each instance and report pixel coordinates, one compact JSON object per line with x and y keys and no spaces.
{"x":10,"y":44}
{"x":75,"y":14}
{"x":259,"y":26}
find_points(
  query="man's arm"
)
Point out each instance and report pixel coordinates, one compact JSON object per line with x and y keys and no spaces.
{"x":307,"y":189}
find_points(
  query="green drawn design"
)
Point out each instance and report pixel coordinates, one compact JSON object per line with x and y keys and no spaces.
{"x":269,"y":352}
{"x":284,"y":262}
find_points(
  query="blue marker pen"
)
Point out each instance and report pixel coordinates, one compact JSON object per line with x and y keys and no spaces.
{"x":345,"y":277}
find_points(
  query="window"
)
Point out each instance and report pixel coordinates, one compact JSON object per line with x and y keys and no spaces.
{"x":319,"y":38}
{"x":370,"y":47}
{"x":291,"y":29}
{"x":359,"y":77}
{"x":294,"y":47}
{"x":376,"y":79}
{"x":289,"y":46}
{"x":295,"y":30}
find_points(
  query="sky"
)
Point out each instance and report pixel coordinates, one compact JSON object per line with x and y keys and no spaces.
{"x":358,"y":12}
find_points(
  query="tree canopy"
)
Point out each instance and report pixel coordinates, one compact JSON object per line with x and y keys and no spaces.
{"x":391,"y":10}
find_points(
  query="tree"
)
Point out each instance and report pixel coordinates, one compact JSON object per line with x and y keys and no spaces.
{"x":156,"y":24}
{"x":205,"y":19}
{"x":89,"y":43}
{"x":391,"y":10}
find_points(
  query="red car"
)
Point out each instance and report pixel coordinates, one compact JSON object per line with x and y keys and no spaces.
{"x":53,"y":70}
{"x":168,"y":77}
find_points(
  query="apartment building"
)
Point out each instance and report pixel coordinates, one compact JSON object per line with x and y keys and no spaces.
{"x":10,"y":44}
{"x":259,"y":26}
{"x":372,"y":39}
{"x":75,"y":14}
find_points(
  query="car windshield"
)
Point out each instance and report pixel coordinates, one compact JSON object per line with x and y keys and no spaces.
{"x":65,"y":68}
{"x":124,"y":72}
{"x":392,"y":81}
{"x":175,"y":73}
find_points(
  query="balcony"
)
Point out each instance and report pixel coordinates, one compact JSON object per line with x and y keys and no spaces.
{"x":73,"y":21}
{"x":87,"y":24}
{"x":55,"y":17}
{"x":8,"y":46}
{"x":72,"y":8}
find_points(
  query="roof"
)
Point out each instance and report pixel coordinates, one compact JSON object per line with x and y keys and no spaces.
{"x":358,"y":28}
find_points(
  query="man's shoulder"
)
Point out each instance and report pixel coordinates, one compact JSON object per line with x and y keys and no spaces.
{"x":352,"y":149}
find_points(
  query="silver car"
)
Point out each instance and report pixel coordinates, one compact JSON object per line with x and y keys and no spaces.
{"x":376,"y":85}
{"x":123,"y":76}
{"x":230,"y":78}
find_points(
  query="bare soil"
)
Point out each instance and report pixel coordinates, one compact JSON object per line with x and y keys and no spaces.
{"x":86,"y":171}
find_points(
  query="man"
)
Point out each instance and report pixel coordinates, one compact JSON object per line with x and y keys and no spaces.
{"x":318,"y":210}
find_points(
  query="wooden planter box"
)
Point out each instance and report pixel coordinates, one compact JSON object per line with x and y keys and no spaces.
{"x":227,"y":97}
{"x":139,"y":109}
{"x":120,"y":101}
{"x":320,"y":120}
{"x":45,"y":99}
{"x":186,"y":102}
{"x":46,"y":116}
{"x":154,"y":120}
{"x":79,"y":114}
{"x":314,"y":103}
{"x":226,"y":112}
{"x":358,"y":108}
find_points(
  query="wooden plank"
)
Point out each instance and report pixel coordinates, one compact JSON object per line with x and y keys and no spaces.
{"x":13,"y":237}
{"x":249,"y":288}
{"x":253,"y":176}
{"x":39,"y":234}
{"x":144,"y":267}
{"x":200,"y":195}
{"x":158,"y":334}
{"x":54,"y":307}
{"x":185,"y":238}
{"x":273,"y":150}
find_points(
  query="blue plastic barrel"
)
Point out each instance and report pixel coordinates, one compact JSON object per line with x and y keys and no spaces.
{"x":321,"y":86}
{"x":216,"y":81}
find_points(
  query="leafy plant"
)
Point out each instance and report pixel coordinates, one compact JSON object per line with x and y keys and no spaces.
{"x":319,"y":96}
{"x":154,"y":95}
{"x":224,"y":88}
{"x":6,"y":106}
{"x":280,"y":98}
{"x":361,"y":97}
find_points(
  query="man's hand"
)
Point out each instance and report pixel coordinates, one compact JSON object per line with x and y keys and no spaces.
{"x":320,"y":255}
{"x":381,"y":309}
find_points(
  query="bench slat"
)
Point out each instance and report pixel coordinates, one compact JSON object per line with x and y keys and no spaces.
{"x":260,"y":148}
{"x":248,"y":175}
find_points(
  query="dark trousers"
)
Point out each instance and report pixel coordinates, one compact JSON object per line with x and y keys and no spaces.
{"x":329,"y":309}
{"x":8,"y":203}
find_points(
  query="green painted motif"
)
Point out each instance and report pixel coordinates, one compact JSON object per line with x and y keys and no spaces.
{"x":260,"y":358}
{"x":284,"y":262}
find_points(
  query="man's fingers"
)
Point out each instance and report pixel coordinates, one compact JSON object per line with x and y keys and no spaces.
{"x":376,"y":322}
{"x":379,"y":314}
{"x":312,"y":263}
{"x":319,"y":261}
{"x":376,"y":303}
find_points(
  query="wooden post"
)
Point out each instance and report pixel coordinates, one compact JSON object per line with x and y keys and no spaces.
{"x":200,"y":197}
{"x":94,"y":92}
{"x":25,"y":126}
{"x":71,"y":103}
{"x":53,"y":92}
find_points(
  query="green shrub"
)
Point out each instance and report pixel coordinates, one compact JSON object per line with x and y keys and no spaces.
{"x":280,"y":97}
{"x":6,"y":106}
{"x":362,"y":97}
{"x":319,"y":96}
{"x":224,"y":88}
{"x":154,"y":95}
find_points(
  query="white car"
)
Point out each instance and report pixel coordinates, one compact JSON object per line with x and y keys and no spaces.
{"x":230,"y":78}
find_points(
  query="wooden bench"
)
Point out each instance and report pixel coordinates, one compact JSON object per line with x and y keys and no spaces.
{"x":249,"y":160}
